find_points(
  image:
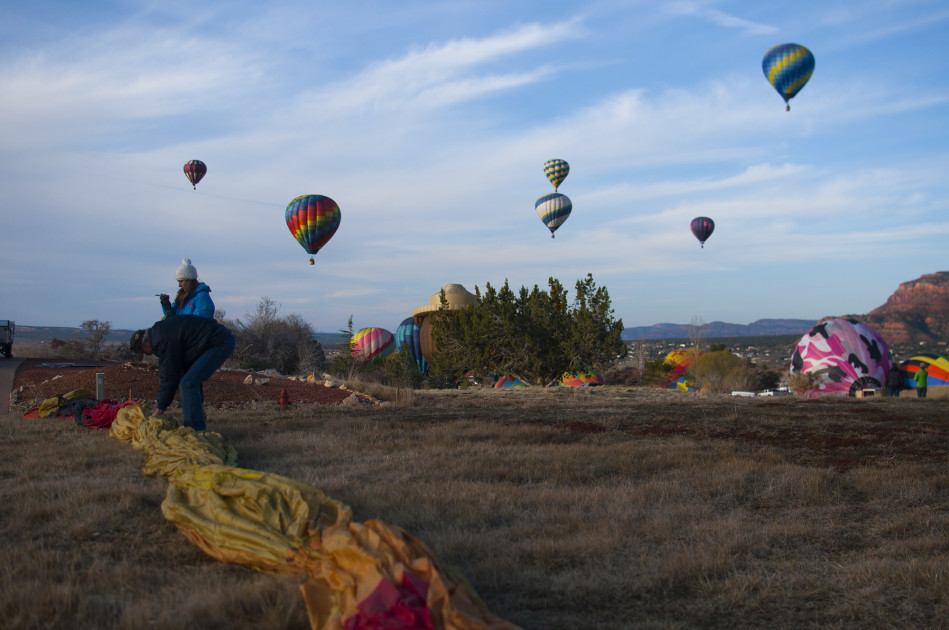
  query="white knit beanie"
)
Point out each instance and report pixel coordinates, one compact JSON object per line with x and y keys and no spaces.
{"x":186,"y":271}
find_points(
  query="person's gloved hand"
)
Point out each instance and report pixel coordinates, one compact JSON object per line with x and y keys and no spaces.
{"x":164,"y":299}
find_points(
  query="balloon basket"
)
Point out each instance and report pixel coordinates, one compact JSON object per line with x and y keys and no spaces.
{"x":311,"y":262}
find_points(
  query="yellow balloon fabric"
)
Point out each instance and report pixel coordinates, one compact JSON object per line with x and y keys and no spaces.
{"x":356,"y":574}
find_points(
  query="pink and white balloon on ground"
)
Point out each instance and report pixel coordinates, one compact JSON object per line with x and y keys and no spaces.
{"x":846,"y":355}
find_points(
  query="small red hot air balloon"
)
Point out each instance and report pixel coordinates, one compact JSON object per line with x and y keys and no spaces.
{"x":194,"y":171}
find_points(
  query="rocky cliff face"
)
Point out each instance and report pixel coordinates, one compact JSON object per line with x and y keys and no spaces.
{"x":917,"y":311}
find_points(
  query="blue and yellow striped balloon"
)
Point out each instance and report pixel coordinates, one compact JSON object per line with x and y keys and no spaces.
{"x":553,"y":209}
{"x":788,"y":67}
{"x":556,"y":171}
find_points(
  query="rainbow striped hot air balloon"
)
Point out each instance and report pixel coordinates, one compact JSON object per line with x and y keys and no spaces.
{"x":372,"y":343}
{"x":509,"y":381}
{"x":313,"y":220}
{"x":553,"y":209}
{"x":556,"y":171}
{"x":937,"y":366}
{"x":788,"y":67}
{"x":582,"y":378}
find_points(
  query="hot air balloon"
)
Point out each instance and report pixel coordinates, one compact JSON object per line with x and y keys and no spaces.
{"x":702,"y":227}
{"x":788,"y":67}
{"x":313,"y":220}
{"x":553,"y":209}
{"x":844,"y":354}
{"x":680,"y":360}
{"x":581,"y":378}
{"x":194,"y":171}
{"x":556,"y":171}
{"x":509,"y":381}
{"x":937,"y":366}
{"x":408,"y":338}
{"x":372,"y":343}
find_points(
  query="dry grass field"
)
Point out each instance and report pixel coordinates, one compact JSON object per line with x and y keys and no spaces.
{"x":608,"y":507}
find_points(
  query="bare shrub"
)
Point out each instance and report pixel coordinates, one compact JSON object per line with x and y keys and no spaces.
{"x":804,"y":383}
{"x":265,"y":341}
{"x":721,"y":372}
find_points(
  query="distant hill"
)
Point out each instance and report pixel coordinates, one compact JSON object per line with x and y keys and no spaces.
{"x":760,"y":328}
{"x":45,"y":334}
{"x":918,"y":311}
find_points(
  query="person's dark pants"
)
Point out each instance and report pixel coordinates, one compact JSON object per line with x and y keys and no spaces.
{"x":921,"y":392}
{"x":189,"y":389}
{"x":895,"y":391}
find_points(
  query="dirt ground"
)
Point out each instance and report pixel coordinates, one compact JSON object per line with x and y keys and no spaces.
{"x":39,"y":379}
{"x":836,"y":432}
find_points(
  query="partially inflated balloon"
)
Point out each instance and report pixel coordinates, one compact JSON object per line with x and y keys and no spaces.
{"x":553,"y":210}
{"x":788,"y":67}
{"x":937,"y":366}
{"x":581,"y":378}
{"x":194,"y":171}
{"x":372,"y":343}
{"x":556,"y":171}
{"x":313,"y":220}
{"x":844,"y":354}
{"x":509,"y":381}
{"x":702,"y":228}
{"x":408,"y":338}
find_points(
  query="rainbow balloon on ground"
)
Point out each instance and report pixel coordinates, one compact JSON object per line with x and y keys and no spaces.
{"x":509,"y":381}
{"x":937,"y":366}
{"x":846,"y":355}
{"x":408,"y":338}
{"x":372,"y":343}
{"x":680,"y":360}
{"x":581,"y":378}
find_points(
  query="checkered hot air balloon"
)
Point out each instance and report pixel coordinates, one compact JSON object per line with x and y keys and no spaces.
{"x":313,"y":220}
{"x":788,"y":67}
{"x":556,"y":171}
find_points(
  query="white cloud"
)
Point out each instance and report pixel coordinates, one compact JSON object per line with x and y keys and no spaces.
{"x":719,"y":18}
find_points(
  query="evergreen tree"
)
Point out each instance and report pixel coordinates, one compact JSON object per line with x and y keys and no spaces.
{"x":537,"y":335}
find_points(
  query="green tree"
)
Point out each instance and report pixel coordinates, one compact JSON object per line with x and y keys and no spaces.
{"x":657,"y":371}
{"x":535,"y":334}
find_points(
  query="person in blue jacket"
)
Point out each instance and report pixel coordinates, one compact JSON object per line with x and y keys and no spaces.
{"x":193,"y":297}
{"x":190,"y":349}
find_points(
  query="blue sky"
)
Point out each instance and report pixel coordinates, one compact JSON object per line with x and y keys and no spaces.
{"x":429,"y":124}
